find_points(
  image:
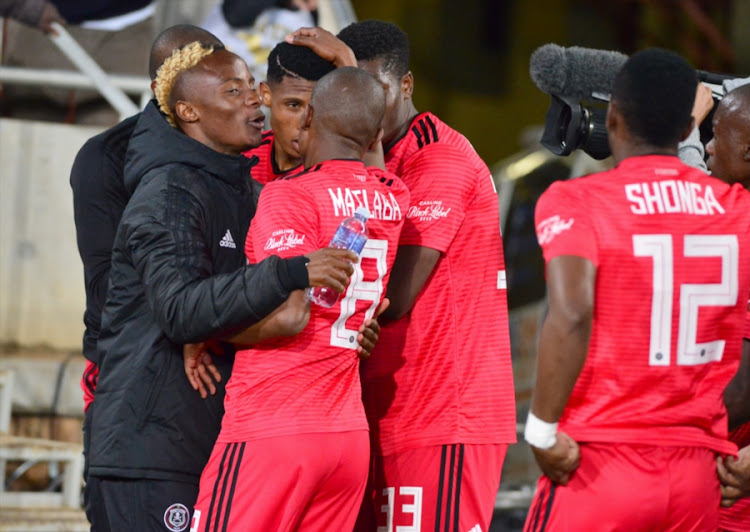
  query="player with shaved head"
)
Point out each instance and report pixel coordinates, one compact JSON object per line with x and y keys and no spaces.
{"x":294,"y":442}
{"x":179,"y":276}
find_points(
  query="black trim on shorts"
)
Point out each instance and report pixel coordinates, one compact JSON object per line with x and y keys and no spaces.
{"x":443,"y":453}
{"x":454,"y":473}
{"x":223,"y":478}
{"x":234,"y":485}
{"x":550,"y":497}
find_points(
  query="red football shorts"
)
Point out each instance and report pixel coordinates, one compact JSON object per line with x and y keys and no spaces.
{"x":449,"y":488}
{"x":634,"y":488}
{"x":736,"y":518}
{"x":305,"y":482}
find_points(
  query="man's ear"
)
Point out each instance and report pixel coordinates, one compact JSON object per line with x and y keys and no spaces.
{"x":407,"y":85}
{"x":186,"y":112}
{"x":378,"y":139}
{"x":307,"y":117}
{"x":612,"y":120}
{"x":265,"y":93}
{"x":153,"y":85}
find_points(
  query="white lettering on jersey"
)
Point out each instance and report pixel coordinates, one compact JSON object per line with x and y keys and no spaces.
{"x":551,"y":227}
{"x":345,"y":202}
{"x":428,"y":210}
{"x":672,"y":196}
{"x":284,"y":239}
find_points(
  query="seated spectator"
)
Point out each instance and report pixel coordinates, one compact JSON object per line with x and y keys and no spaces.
{"x":117,"y":35}
{"x":251,"y":28}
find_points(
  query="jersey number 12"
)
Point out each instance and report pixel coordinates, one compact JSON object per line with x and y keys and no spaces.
{"x":692,"y":296}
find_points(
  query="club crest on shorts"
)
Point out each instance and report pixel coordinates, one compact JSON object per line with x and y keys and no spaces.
{"x":176,"y":517}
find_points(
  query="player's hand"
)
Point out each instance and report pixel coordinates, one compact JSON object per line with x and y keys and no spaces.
{"x":325,"y":44}
{"x":331,"y":267}
{"x":734,"y":475}
{"x":704,"y":102}
{"x":200,"y":369}
{"x":560,"y":460}
{"x":49,"y":15}
{"x":369,"y":331}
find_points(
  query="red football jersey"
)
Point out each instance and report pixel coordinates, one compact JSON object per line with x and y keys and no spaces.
{"x":310,"y":383}
{"x":442,"y":373}
{"x":672,"y":250}
{"x":266,"y":170}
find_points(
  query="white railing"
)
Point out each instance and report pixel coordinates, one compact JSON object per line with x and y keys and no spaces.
{"x":113,"y":88}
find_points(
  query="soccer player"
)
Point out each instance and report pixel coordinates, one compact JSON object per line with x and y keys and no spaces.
{"x":729,"y":160}
{"x":648,"y":270}
{"x":438,"y":389}
{"x":179,"y":276}
{"x":293,"y":451}
{"x":292,"y":73}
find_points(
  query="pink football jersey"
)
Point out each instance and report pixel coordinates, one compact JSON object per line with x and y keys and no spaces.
{"x":443,"y":373}
{"x":671,"y":247}
{"x":310,"y":383}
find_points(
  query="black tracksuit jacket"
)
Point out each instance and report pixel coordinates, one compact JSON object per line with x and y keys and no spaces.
{"x":175,"y":279}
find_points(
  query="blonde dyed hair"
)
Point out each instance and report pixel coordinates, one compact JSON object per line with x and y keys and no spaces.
{"x":181,"y":60}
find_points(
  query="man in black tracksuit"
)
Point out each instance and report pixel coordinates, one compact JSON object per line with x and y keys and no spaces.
{"x":99,"y":199}
{"x":179,"y":275}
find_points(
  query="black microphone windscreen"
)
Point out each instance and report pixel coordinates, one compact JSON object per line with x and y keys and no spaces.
{"x":576,"y":72}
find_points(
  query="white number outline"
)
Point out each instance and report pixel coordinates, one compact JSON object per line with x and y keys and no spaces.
{"x":361,"y":290}
{"x":692,"y":295}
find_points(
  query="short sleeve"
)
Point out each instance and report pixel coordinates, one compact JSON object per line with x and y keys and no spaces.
{"x":563,"y":226}
{"x":286,"y":223}
{"x":441,"y":182}
{"x":747,"y":325}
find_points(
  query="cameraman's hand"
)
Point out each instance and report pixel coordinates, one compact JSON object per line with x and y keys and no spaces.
{"x":331,"y":267}
{"x":704,"y":102}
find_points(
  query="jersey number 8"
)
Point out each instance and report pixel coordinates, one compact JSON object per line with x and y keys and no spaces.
{"x":361,"y":290}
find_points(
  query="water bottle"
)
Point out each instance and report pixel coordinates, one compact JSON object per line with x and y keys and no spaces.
{"x":352,"y":235}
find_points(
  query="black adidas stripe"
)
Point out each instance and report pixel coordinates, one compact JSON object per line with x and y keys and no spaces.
{"x":433,"y":128}
{"x":550,"y":499}
{"x":231,"y":490}
{"x":449,"y":497}
{"x":415,"y":129}
{"x":216,"y":486}
{"x":459,"y":473}
{"x":230,"y":472}
{"x":427,"y":138}
{"x":440,"y":487}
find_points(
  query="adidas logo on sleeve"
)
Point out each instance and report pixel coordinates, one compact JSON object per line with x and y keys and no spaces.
{"x":227,"y":241}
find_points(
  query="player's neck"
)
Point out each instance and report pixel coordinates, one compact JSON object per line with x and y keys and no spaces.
{"x":640,"y":150}
{"x":409,"y":113}
{"x":333,"y":148}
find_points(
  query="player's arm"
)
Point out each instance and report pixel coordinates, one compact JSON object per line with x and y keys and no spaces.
{"x":563,"y":345}
{"x":325,"y":44}
{"x":737,"y":393}
{"x":96,"y":220}
{"x":411,"y":270}
{"x":436,"y":175}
